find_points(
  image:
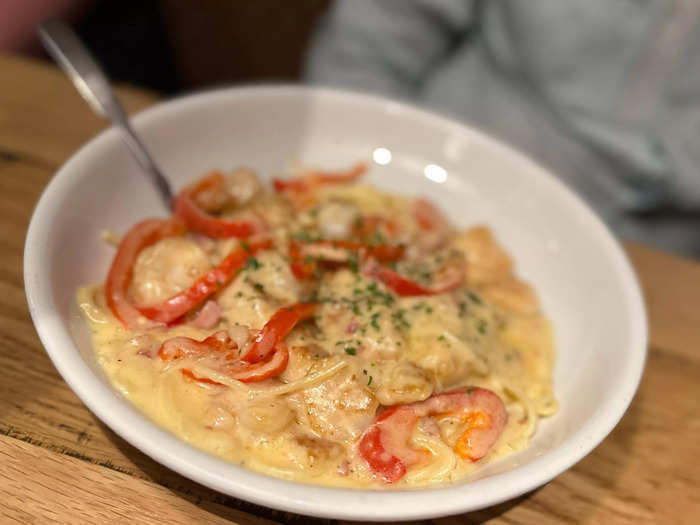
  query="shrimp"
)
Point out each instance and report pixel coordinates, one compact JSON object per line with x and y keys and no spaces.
{"x":488,"y":263}
{"x":385,"y":445}
{"x":237,"y":189}
{"x":167,"y":268}
{"x":336,"y":219}
{"x":338,"y":409}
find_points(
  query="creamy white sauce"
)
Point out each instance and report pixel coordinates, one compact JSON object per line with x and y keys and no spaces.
{"x":366,"y":348}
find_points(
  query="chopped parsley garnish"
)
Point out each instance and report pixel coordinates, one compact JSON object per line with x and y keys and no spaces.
{"x":377,"y":238}
{"x":442,"y":337}
{"x":259,"y":287}
{"x":369,"y":382}
{"x":304,"y":236}
{"x":348,"y":344}
{"x":469,"y":391}
{"x":462,"y":308}
{"x":253,"y":263}
{"x":374,"y":321}
{"x":481,"y":326}
{"x":386,"y":298}
{"x":399,"y":320}
{"x":245,"y":246}
{"x":362,"y":299}
{"x":474,"y":297}
{"x":353,"y":262}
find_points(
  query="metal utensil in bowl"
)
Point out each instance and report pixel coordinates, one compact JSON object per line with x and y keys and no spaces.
{"x":92,"y":83}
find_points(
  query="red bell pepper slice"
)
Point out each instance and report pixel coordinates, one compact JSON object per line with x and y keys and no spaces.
{"x":367,"y":227}
{"x":188,"y":373}
{"x":383,"y":463}
{"x":211,"y":282}
{"x":271,"y":366}
{"x":233,"y":366}
{"x":276,"y":329}
{"x":140,"y":236}
{"x":302,"y":268}
{"x":428,"y":216}
{"x":304,"y":255}
{"x":406,"y":288}
{"x":187,"y":209}
{"x":244,"y":372}
{"x":385,"y":444}
{"x":315,"y":179}
{"x":178,"y":347}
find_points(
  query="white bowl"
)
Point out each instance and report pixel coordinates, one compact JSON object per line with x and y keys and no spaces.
{"x":583,"y":278}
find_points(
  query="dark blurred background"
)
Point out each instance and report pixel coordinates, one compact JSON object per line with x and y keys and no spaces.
{"x":605,"y":94}
{"x":178,"y":45}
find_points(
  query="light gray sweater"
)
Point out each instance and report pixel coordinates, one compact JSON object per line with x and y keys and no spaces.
{"x":606,"y":93}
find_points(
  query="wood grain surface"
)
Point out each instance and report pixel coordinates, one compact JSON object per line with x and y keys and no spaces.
{"x":59,"y":464}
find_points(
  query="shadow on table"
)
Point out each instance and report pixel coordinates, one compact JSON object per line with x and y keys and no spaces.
{"x":229,"y":508}
{"x":204,"y":497}
{"x":598,"y":481}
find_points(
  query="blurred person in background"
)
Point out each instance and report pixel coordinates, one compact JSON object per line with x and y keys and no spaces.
{"x":606,"y":93}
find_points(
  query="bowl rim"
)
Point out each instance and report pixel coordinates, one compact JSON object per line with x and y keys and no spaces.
{"x":301,"y":498}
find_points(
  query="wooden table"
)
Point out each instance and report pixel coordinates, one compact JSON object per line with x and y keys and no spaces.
{"x":58,"y":463}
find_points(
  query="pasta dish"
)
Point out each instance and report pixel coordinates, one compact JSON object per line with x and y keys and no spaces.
{"x":324,"y":331}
